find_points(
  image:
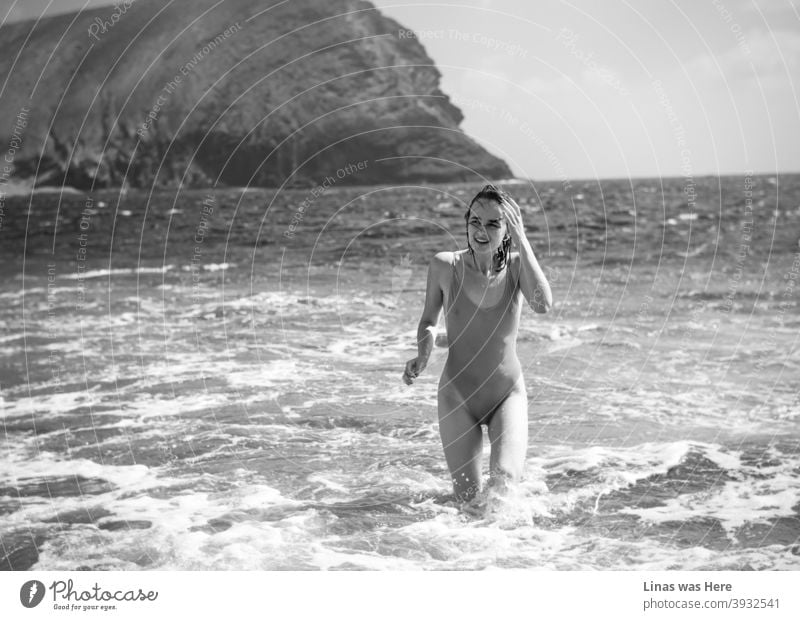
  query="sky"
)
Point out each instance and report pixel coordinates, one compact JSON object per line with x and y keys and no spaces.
{"x":590,"y":89}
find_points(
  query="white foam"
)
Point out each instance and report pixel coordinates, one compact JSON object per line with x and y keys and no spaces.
{"x":47,"y":404}
{"x":614,"y":469}
{"x":508,"y":535}
{"x":638,"y":461}
{"x":210,"y":267}
{"x":46,"y":464}
{"x":146,"y":405}
{"x":274,"y":373}
{"x":101,"y":273}
{"x":128,"y":479}
{"x":734,"y":504}
{"x":756,"y":495}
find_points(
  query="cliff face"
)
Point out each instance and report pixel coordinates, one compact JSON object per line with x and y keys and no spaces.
{"x":240,"y":93}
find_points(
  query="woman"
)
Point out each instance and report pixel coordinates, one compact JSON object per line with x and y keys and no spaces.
{"x":480,"y":290}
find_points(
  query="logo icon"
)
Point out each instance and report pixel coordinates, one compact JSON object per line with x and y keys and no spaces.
{"x":31,"y":593}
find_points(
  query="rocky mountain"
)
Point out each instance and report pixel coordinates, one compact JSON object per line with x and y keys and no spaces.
{"x":237,"y":92}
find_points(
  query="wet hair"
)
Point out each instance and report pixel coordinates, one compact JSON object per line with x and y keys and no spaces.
{"x":495,"y":194}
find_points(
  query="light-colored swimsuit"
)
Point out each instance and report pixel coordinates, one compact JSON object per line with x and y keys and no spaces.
{"x":482,"y":365}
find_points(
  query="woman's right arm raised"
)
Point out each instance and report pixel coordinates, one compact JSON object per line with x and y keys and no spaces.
{"x":434,"y":299}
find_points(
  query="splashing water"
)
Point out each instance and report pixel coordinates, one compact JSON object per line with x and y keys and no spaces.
{"x":171,"y":422}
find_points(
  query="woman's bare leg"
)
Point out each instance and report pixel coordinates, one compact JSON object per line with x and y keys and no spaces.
{"x":508,"y":432}
{"x":462,"y":440}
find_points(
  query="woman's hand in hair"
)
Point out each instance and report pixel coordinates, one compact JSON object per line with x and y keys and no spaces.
{"x":513,"y":216}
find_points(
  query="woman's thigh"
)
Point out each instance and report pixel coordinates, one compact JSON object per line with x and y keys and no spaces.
{"x":462,"y":440}
{"x":508,"y":432}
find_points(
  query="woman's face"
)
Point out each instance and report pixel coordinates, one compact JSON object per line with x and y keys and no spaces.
{"x":486,"y":226}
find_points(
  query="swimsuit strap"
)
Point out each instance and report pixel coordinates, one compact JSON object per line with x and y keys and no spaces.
{"x":454,"y":285}
{"x":457,"y":284}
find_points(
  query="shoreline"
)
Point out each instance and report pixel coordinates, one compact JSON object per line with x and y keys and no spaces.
{"x":17,"y":188}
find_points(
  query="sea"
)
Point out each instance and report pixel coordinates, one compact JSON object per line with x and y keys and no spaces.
{"x":211,"y":379}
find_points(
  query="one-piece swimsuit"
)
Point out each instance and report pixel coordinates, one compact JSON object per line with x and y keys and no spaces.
{"x":482,"y":364}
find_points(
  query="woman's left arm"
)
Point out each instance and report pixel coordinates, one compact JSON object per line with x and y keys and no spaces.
{"x":532,"y":280}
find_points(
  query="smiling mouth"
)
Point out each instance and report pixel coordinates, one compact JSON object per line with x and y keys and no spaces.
{"x":482,"y":242}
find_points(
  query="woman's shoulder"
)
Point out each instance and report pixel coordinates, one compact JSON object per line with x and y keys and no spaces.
{"x":442,"y":267}
{"x":446,"y":259}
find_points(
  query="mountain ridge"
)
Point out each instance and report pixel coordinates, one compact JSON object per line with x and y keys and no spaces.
{"x":282,"y":95}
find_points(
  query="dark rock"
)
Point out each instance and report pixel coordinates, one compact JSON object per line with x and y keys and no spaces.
{"x":294,"y":95}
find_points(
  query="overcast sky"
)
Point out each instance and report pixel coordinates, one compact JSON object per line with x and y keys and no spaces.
{"x":585,"y":89}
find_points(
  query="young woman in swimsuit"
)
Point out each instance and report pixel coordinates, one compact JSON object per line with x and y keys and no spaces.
{"x":480,"y":289}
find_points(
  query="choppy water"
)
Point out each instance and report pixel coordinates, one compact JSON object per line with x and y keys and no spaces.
{"x":245,"y":410}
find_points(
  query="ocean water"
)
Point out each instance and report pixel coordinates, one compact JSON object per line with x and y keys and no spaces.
{"x":188,"y":382}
